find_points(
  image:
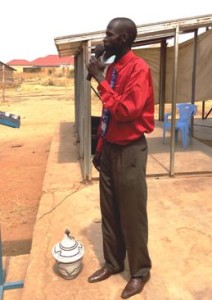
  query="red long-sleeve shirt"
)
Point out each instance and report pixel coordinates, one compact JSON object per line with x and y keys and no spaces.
{"x":130,"y":102}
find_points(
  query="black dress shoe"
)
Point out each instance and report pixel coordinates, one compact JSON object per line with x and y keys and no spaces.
{"x":134,"y":286}
{"x":101,"y":274}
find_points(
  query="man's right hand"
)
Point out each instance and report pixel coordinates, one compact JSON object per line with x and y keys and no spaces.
{"x":95,"y":68}
{"x":97,"y":160}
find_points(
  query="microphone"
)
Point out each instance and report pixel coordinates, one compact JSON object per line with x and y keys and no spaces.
{"x":98,"y":51}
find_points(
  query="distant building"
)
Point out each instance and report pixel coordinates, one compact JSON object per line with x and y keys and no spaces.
{"x":43,"y":63}
{"x":53,"y":61}
{"x":19,"y":64}
{"x":6,"y":74}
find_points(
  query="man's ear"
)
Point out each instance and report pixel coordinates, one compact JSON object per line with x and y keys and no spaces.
{"x":124,"y":37}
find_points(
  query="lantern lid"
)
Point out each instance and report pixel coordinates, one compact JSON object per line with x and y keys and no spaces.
{"x":68,"y":250}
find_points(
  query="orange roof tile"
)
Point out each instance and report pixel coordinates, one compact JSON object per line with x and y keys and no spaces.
{"x":53,"y":60}
{"x":19,"y":62}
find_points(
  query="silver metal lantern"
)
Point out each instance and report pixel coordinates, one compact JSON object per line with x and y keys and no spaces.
{"x":68,"y":255}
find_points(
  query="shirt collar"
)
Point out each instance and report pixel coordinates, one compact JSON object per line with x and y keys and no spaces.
{"x":124,"y":59}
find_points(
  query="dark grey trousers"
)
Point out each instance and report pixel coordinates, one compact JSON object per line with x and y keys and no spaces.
{"x":123,"y":202}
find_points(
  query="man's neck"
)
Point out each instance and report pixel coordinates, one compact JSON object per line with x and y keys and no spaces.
{"x":122,"y":53}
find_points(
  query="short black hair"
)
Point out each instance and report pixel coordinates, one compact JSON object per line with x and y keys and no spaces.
{"x":128,"y":26}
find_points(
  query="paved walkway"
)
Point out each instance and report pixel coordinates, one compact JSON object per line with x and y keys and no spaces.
{"x":180,"y":213}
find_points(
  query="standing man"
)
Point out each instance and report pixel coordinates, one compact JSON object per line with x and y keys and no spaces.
{"x":126,"y":93}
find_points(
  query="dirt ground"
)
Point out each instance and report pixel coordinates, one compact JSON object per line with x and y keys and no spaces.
{"x":23,"y":156}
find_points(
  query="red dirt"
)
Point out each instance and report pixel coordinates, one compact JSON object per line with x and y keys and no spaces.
{"x":23,"y":156}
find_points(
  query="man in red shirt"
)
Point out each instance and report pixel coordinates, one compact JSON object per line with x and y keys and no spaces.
{"x":126,"y":92}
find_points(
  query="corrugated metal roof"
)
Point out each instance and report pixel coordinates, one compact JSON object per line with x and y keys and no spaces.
{"x":47,"y":61}
{"x":53,"y":60}
{"x":19,"y":62}
{"x":70,"y":45}
{"x":7,"y":66}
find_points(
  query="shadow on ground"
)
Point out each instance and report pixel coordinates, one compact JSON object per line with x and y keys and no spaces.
{"x":16,"y":247}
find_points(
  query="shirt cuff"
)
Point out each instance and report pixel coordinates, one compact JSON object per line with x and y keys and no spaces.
{"x":103,"y":87}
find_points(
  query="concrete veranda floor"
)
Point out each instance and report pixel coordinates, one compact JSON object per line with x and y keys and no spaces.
{"x":180,"y":214}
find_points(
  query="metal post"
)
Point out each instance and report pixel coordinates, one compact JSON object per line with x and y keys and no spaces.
{"x":3,"y":83}
{"x":162,"y":80}
{"x":174,"y":95}
{"x":194,"y":77}
{"x":1,"y":264}
{"x":81,"y":108}
{"x":77,"y":94}
{"x":87,"y":119}
{"x":7,"y":285}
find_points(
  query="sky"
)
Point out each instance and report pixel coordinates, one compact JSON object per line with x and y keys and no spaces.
{"x":28,"y":27}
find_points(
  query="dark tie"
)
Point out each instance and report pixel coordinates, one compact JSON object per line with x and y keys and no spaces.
{"x":106,"y":113}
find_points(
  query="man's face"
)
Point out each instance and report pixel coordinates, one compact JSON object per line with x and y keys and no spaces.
{"x":113,"y":39}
